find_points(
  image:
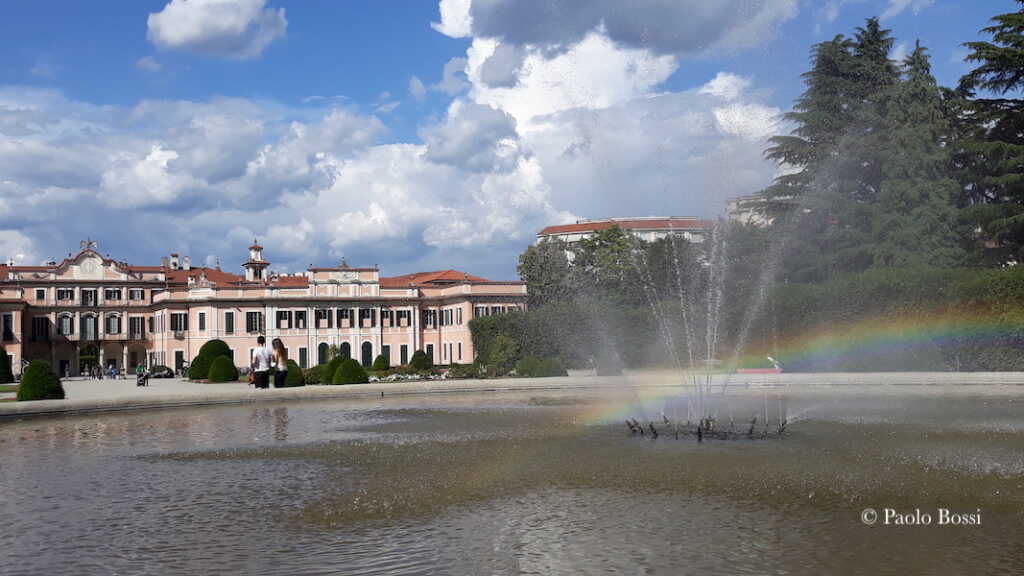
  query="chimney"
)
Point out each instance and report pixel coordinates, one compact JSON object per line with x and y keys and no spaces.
{"x":174,"y":261}
{"x":165,"y":262}
{"x":186,"y":263}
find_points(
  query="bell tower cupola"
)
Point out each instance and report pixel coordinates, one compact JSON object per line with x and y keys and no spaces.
{"x":256,"y":267}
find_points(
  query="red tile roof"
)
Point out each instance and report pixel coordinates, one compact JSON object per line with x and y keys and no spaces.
{"x":436,"y":278}
{"x":661,"y":224}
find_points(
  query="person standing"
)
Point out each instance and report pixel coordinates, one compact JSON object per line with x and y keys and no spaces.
{"x":281,"y":359}
{"x":260,"y":365}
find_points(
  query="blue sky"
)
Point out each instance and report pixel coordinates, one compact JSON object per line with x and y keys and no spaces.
{"x":412,"y":134}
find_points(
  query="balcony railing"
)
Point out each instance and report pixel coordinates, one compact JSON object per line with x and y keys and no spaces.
{"x":136,"y":336}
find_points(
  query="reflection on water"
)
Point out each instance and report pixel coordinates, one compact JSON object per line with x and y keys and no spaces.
{"x":508,"y":484}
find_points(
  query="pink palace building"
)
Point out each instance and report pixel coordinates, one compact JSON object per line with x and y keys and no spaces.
{"x":161,"y":315}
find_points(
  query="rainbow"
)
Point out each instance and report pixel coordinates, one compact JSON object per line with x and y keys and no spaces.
{"x":892,"y":335}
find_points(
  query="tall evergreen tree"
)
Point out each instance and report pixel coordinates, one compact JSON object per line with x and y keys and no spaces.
{"x":545,"y":269}
{"x":916,"y":219}
{"x":993,"y":154}
{"x":833,"y":157}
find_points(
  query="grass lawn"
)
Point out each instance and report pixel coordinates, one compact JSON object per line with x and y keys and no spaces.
{"x":8,"y":387}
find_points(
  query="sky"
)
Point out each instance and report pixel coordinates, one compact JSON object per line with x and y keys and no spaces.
{"x":410,"y":134}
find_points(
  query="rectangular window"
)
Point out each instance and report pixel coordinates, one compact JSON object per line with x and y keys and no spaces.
{"x":202,"y":320}
{"x":8,"y":329}
{"x":136,"y":294}
{"x":345,"y":318}
{"x":387,"y":318}
{"x":179,"y":321}
{"x":112,"y":325}
{"x":112,"y":294}
{"x":385,"y":351}
{"x":135,"y":328}
{"x":284,"y":319}
{"x":41,"y":329}
{"x":150,"y":322}
{"x":460,"y":351}
{"x":403,"y":352}
{"x":229,"y":322}
{"x":65,"y":294}
{"x":430,"y":318}
{"x":254,"y":322}
{"x":497,"y":309}
{"x":322,"y":318}
{"x":403,"y":318}
{"x":513,"y":308}
{"x":367,"y":317}
{"x":479,"y":311}
{"x":303,"y":357}
{"x":40,"y":294}
{"x":430,"y":352}
{"x":88,"y":297}
{"x":300,"y":319}
{"x":458,"y":315}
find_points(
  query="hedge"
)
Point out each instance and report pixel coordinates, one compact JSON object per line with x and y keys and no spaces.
{"x":381,"y":363}
{"x":420,"y":361}
{"x":294,"y":378}
{"x":215,"y":348}
{"x":199,"y":368}
{"x":222,"y":369}
{"x":40,"y":382}
{"x":350,"y":372}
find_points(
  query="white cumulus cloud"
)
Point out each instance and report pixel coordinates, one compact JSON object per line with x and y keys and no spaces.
{"x":237,"y":29}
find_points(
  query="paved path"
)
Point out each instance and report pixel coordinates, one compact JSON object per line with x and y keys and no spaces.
{"x":111,"y":395}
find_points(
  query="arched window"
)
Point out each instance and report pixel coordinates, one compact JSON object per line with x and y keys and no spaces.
{"x":321,"y":353}
{"x":65,"y":324}
{"x":346,"y":350}
{"x":112,"y":324}
{"x":367,"y":359}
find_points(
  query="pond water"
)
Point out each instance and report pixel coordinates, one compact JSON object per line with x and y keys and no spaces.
{"x":515,"y":483}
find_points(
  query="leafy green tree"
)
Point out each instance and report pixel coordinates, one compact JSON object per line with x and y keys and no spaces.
{"x":545,"y":269}
{"x":605,"y":266}
{"x":992,"y":155}
{"x":916,"y":216}
{"x":503,"y":354}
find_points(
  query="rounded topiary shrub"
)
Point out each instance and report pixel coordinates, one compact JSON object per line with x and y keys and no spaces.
{"x":420,"y":361}
{"x":215,"y":348}
{"x":199,"y":368}
{"x":350,"y":372}
{"x":380,"y":363}
{"x":551,"y":367}
{"x":294,"y":377}
{"x":223,"y":370}
{"x":6,"y":375}
{"x":40,"y":382}
{"x":528,"y":367}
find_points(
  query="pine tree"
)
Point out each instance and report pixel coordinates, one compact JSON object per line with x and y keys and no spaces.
{"x":915,"y":211}
{"x":833,"y":158}
{"x":545,"y":269}
{"x":992,"y":156}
